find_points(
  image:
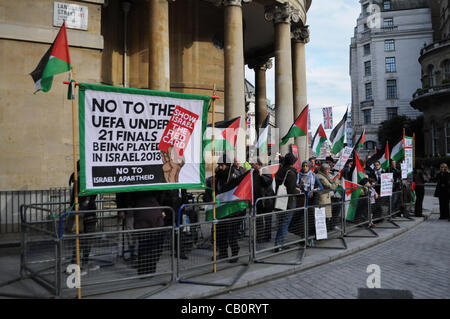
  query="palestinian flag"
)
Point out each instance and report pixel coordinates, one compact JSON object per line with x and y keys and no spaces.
{"x":358,"y":172}
{"x":271,"y":170}
{"x":413,"y":192}
{"x":263,"y":139}
{"x":361,"y":140}
{"x":238,"y":189}
{"x":55,"y":61}
{"x":337,"y":137}
{"x":299,"y":128}
{"x":318,"y":140}
{"x":384,"y":160}
{"x":397,"y":151}
{"x":351,"y":195}
{"x":225,"y":135}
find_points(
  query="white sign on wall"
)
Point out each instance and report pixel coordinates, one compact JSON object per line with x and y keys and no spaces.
{"x":76,"y":16}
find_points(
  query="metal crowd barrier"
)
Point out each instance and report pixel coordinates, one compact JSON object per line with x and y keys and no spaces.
{"x":48,"y":248}
{"x":10,"y":202}
{"x":334,"y":224}
{"x":278,"y":232}
{"x":195,"y":260}
{"x":359,"y":213}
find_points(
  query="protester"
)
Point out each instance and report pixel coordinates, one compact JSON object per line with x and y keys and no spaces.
{"x":419,"y":181}
{"x":323,"y":196}
{"x":312,"y":164}
{"x":442,"y":191}
{"x":88,"y":220}
{"x":236,"y":170}
{"x":347,"y":170}
{"x":373,"y":197}
{"x":260,"y":183}
{"x":287,"y":175}
{"x":307,"y":181}
{"x":151,"y":241}
{"x":226,"y":231}
{"x":378,"y":171}
{"x":124,"y":200}
{"x":397,"y":186}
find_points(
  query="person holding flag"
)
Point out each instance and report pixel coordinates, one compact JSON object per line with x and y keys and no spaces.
{"x":299,"y":128}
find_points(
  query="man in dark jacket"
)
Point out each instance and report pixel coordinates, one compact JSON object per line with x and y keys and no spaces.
{"x":260,"y":183}
{"x":150,"y":242}
{"x":89,"y":220}
{"x":287,"y":175}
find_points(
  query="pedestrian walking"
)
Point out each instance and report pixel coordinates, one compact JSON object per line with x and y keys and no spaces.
{"x":419,"y":180}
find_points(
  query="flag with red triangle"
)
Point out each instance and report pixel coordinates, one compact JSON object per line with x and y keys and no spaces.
{"x":225,"y":135}
{"x":299,"y":128}
{"x":360,"y":143}
{"x":271,"y":170}
{"x":385,"y":159}
{"x":318,"y":140}
{"x":55,"y":61}
{"x":237,"y":197}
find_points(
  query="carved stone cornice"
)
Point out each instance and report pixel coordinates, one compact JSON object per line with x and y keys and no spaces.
{"x":260,"y":63}
{"x":281,"y":13}
{"x":235,"y":2}
{"x":300,"y":34}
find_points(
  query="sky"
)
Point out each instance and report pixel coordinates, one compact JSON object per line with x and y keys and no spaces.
{"x":331,"y":26}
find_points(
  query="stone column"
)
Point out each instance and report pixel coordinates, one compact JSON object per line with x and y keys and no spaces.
{"x":281,"y":15}
{"x":260,"y":66}
{"x":158,"y":48}
{"x":300,"y":36}
{"x":234,"y":68}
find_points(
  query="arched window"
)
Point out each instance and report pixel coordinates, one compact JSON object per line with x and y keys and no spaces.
{"x":430,"y":73}
{"x":447,"y":136}
{"x":446,"y":70}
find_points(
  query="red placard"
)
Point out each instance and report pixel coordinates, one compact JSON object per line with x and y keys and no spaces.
{"x":178,"y":131}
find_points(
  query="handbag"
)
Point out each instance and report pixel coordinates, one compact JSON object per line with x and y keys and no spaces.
{"x":282,"y":203}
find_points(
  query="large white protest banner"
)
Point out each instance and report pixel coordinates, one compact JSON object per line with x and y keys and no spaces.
{"x":409,"y":154}
{"x":133,"y":139}
{"x":386,"y":184}
{"x":320,"y":223}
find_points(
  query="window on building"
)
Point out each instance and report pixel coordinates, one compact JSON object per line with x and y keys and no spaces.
{"x":430,"y":73}
{"x":367,"y":68}
{"x":391,"y":112}
{"x":387,"y":5}
{"x":365,"y":9}
{"x":369,"y":145}
{"x":434,"y":139}
{"x":367,"y":116}
{"x":366,"y":27}
{"x":367,"y":49}
{"x":446,"y":70}
{"x":391,"y":89}
{"x":368,"y":91}
{"x":390,"y":65}
{"x":389,"y":45}
{"x":447,"y":136}
{"x":388,"y":22}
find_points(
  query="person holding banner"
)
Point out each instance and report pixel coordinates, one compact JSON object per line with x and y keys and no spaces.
{"x":150,"y":242}
{"x":89,"y":221}
{"x":323,"y":196}
{"x":442,"y":191}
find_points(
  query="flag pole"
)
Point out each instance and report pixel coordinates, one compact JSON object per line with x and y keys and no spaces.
{"x":214,"y":97}
{"x":77,"y":224}
{"x":414,"y":150}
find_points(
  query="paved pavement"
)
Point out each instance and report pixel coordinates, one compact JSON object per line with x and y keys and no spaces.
{"x":418,"y":261}
{"x":414,"y":257}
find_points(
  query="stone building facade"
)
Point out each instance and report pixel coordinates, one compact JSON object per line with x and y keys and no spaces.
{"x":170,"y":45}
{"x":383,"y":63}
{"x":433,"y":96}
